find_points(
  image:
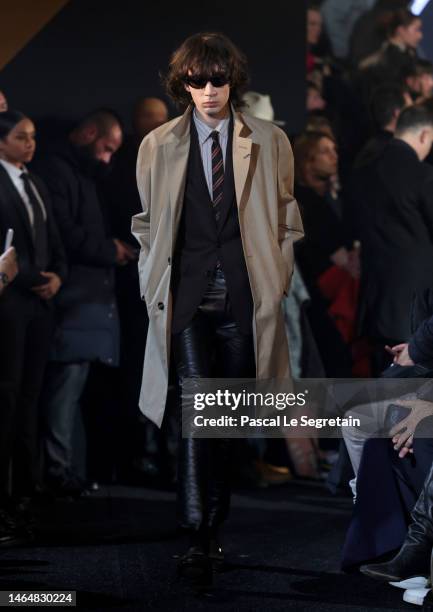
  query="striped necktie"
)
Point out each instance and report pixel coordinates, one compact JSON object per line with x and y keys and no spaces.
{"x":217,"y":174}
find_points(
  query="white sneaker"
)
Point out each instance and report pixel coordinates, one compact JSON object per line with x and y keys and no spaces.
{"x":415,"y":596}
{"x":416,"y":582}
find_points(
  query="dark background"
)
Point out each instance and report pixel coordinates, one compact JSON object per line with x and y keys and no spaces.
{"x":99,"y":53}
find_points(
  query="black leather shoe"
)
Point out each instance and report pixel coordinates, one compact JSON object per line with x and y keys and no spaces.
{"x":412,"y":560}
{"x":196,"y":567}
{"x":427,"y":604}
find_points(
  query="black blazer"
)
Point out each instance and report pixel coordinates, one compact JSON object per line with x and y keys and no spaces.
{"x":390,"y":203}
{"x":13,"y":214}
{"x":201,"y":241}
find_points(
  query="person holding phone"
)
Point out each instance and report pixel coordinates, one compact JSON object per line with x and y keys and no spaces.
{"x":26,"y":313}
{"x":8,"y":268}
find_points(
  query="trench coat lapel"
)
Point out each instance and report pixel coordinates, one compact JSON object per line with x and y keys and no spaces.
{"x":177,"y":153}
{"x":242,"y":144}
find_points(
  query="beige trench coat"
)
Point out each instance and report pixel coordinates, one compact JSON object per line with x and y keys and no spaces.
{"x":269,"y":222}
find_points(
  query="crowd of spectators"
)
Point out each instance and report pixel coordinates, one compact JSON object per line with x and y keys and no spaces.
{"x":74,"y":325}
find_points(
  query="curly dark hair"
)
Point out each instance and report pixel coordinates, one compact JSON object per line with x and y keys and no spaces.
{"x":208,"y":53}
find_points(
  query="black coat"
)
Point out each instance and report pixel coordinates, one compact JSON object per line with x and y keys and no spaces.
{"x":324,"y":234}
{"x":391,"y":207}
{"x":87,"y":327}
{"x":13,"y":214}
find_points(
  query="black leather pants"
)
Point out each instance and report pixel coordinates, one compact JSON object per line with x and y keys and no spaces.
{"x":210,"y":346}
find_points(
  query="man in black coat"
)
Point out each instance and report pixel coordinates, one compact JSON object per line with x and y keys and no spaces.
{"x":391,"y":211}
{"x":87,"y":321}
{"x":387,"y":103}
{"x":26,"y":311}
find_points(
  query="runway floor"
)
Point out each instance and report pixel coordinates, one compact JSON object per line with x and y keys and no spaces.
{"x":117,"y":550}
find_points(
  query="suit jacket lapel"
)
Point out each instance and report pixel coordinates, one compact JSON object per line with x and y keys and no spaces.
{"x":15,"y":204}
{"x":242,"y":144}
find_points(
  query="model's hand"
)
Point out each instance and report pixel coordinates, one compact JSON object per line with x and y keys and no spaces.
{"x":402,"y":433}
{"x":124,"y":252}
{"x":8,"y":263}
{"x":49,"y":289}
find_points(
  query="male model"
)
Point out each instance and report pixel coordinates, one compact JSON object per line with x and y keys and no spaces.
{"x":216,"y":258}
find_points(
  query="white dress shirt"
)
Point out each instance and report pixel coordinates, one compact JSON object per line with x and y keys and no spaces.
{"x":15,"y":176}
{"x":205,"y":140}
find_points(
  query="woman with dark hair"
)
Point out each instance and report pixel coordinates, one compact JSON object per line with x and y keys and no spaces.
{"x":398,"y":52}
{"x":328,"y":263}
{"x":26,"y":313}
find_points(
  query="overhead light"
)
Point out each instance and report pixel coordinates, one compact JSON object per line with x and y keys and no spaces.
{"x":418,"y":6}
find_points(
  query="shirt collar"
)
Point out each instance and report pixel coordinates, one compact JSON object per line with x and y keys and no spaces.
{"x":204,"y":131}
{"x":13,"y":171}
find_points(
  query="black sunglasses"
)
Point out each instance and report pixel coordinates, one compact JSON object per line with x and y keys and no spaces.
{"x":200,"y":81}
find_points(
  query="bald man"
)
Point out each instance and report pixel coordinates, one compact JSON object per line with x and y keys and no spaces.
{"x":149,"y":113}
{"x":138,"y":462}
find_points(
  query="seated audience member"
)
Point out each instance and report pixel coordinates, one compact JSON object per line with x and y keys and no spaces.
{"x":410,"y":568}
{"x":399,"y":52}
{"x":3,"y":102}
{"x":26,"y":312}
{"x":86,"y":322}
{"x":324,"y":252}
{"x":317,"y":123}
{"x":315,"y":101}
{"x":330,"y":93}
{"x":413,"y":559}
{"x":390,"y":205}
{"x":387,"y":103}
{"x":370,"y":30}
{"x":413,"y":359}
{"x":418,"y":78}
{"x":140,"y":442}
{"x":8,"y":268}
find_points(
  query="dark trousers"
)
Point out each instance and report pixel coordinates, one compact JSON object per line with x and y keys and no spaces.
{"x":26,"y":337}
{"x":210,"y":346}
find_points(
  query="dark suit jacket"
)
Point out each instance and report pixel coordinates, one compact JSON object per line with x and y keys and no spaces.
{"x":391,"y":208}
{"x":13,"y":214}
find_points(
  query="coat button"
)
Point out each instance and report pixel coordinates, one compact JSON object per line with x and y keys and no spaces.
{"x":160,"y":306}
